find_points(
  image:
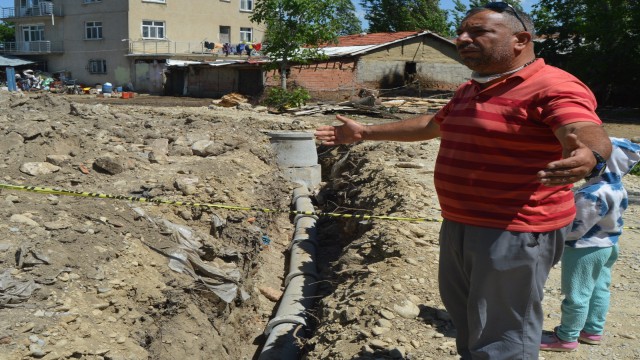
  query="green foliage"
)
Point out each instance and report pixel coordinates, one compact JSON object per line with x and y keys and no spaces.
{"x":282,"y":99}
{"x":295,"y":28}
{"x":460,"y":9}
{"x":635,"y":171}
{"x":405,"y":15}
{"x":7,"y":32}
{"x":596,"y":40}
{"x":347,"y":17}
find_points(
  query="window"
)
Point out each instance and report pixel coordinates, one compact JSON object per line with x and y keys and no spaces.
{"x":93,"y":30}
{"x":97,"y":66}
{"x":30,"y":3}
{"x":246,"y":34}
{"x":153,"y":29}
{"x":246,"y":5}
{"x":225,"y":34}
{"x":33,"y":33}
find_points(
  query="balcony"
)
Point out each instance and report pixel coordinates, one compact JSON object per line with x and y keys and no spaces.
{"x":170,"y":48}
{"x":178,"y":49}
{"x":46,"y":8}
{"x":31,"y":47}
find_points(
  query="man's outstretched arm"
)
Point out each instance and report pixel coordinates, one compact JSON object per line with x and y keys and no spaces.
{"x":578,"y":140}
{"x":413,"y":129}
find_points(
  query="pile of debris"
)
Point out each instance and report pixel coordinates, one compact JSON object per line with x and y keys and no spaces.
{"x":381,"y":107}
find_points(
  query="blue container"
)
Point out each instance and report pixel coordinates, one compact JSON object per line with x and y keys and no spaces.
{"x":107,"y":88}
{"x":119,"y":89}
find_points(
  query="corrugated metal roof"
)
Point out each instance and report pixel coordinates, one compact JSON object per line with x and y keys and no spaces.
{"x":183,"y":63}
{"x":345,"y":50}
{"x":13,"y":61}
{"x":171,"y":62}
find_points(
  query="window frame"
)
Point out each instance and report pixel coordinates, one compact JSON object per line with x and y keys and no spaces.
{"x":247,"y":5}
{"x":97,"y":66}
{"x":33,"y":29}
{"x":221,"y":33}
{"x":153,"y":26}
{"x":155,"y":1}
{"x":243,"y":32}
{"x":34,"y":3}
{"x":96,"y":28}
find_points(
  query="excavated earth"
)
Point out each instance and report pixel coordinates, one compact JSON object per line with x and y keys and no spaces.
{"x":100,"y":276}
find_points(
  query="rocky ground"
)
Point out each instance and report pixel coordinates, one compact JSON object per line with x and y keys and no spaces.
{"x":92,"y":277}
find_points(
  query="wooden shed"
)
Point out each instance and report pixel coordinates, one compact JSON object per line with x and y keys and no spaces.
{"x":214,"y":79}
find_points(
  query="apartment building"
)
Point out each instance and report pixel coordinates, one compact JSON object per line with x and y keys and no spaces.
{"x":126,"y":41}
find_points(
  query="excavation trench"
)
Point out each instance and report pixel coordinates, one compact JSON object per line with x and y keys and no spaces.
{"x":377,"y":277}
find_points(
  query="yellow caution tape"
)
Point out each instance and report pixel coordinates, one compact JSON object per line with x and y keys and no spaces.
{"x":44,"y":190}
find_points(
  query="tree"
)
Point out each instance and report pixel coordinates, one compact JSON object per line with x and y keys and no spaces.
{"x":405,"y":15}
{"x":596,"y":40}
{"x":7,"y":32}
{"x":295,"y":28}
{"x":460,"y":9}
{"x":347,"y":17}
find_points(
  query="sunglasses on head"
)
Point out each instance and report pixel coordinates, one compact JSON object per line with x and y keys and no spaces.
{"x":502,"y":6}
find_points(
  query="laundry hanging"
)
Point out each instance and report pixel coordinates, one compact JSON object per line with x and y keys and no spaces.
{"x":226,"y":48}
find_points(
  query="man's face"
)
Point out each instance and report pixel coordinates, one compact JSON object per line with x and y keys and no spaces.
{"x":485,"y":42}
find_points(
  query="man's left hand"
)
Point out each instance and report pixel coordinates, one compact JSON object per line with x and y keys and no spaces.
{"x":577,"y":162}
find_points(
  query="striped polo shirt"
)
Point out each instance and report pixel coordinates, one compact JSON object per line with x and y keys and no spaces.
{"x":495,"y":140}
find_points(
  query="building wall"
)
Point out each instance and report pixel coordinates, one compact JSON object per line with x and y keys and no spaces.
{"x":186,"y":24}
{"x":200,"y":20}
{"x":436,"y":65}
{"x":78,"y":50}
{"x":204,"y":82}
{"x":329,"y":80}
{"x":214,"y":81}
{"x":435,"y":62}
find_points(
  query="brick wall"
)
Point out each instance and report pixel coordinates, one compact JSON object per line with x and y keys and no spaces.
{"x":384,"y":69}
{"x":329,"y":80}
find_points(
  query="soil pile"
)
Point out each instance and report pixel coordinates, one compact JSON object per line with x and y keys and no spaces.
{"x":89,"y":277}
{"x":86,"y":277}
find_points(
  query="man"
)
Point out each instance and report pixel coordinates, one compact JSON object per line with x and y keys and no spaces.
{"x":513,"y":140}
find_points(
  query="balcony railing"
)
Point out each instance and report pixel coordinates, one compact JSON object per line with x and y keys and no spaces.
{"x":137,"y":47}
{"x":176,"y":48}
{"x":166,"y":47}
{"x":45,"y":8}
{"x":31,"y":47}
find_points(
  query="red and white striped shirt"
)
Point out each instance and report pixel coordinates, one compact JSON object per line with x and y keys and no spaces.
{"x":495,"y":140}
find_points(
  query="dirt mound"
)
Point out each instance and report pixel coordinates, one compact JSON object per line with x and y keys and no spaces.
{"x":92,"y":277}
{"x":97,"y":276}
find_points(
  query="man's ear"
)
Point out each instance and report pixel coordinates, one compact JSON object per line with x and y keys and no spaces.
{"x":523,"y":39}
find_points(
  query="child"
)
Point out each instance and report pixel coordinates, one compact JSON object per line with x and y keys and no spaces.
{"x":590,"y":251}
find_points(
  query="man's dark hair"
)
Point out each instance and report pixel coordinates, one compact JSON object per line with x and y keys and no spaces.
{"x":518,"y":20}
